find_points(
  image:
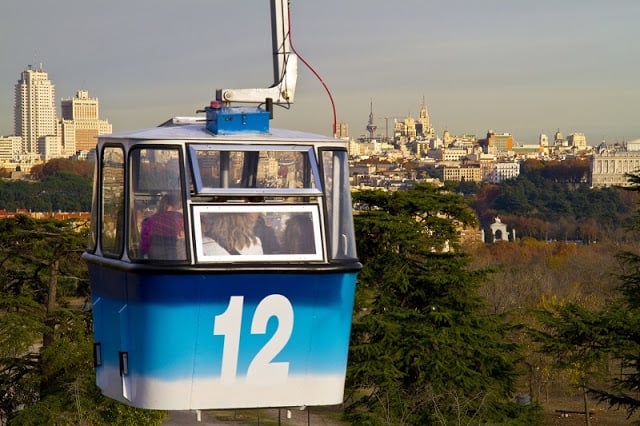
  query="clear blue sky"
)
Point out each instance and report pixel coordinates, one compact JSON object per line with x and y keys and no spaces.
{"x":518,"y":66}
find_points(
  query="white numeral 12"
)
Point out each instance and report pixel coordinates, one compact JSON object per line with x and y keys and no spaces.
{"x":229,"y":324}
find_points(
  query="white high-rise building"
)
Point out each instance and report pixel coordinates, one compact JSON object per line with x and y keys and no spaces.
{"x":34,"y":110}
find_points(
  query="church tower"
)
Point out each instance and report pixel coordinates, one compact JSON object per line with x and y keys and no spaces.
{"x":424,"y":122}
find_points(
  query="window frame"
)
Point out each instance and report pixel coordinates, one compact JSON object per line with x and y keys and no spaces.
{"x":200,"y":189}
{"x":313,"y":209}
{"x":116,"y":251}
{"x":338,"y":204}
{"x":136,"y":192}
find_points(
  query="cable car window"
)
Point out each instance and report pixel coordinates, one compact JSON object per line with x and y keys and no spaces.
{"x":112,"y":220}
{"x":220,"y":169}
{"x":252,"y":233}
{"x":157,"y":229}
{"x":335,"y":168}
{"x":93,"y":229}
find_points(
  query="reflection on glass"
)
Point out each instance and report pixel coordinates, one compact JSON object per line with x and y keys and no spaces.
{"x":112,"y":201}
{"x":258,"y":233}
{"x":338,"y":198}
{"x":230,"y":234}
{"x":162,"y":234}
{"x":157,"y":218}
{"x":254,"y":169}
{"x":298,"y":235}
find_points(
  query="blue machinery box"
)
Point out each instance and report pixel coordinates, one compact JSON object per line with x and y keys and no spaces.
{"x":225,"y":120}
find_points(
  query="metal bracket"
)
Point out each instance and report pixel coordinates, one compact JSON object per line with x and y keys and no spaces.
{"x":285,"y":65}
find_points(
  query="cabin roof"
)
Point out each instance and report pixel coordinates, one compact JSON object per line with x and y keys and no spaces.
{"x":198,"y":131}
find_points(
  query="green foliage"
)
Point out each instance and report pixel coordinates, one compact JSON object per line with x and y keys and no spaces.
{"x":544,"y":203}
{"x":465,"y":188}
{"x":27,"y":251}
{"x":624,"y":328}
{"x":58,"y":192}
{"x":585,"y":342}
{"x":20,"y":324}
{"x":563,"y":171}
{"x":46,"y":344}
{"x":62,"y":166}
{"x":29,"y":248}
{"x":577,"y":338}
{"x":68,"y":394}
{"x":421,"y":351}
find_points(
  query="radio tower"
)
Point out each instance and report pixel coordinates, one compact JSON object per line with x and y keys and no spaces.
{"x":371,"y":128}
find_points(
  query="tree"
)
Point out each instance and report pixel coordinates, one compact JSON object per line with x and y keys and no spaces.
{"x":46,"y":347}
{"x":62,"y":165}
{"x":421,"y":350}
{"x":61,"y":191}
{"x":624,"y":317}
{"x":579,"y":341}
{"x":552,"y":205}
{"x":32,"y":254}
{"x":67,"y":192}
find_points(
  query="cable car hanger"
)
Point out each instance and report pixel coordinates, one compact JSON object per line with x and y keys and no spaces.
{"x":285,"y":66}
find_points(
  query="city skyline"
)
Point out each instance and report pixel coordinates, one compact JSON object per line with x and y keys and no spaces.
{"x":518,"y":67}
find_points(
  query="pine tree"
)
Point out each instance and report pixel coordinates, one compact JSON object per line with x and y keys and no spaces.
{"x":624,"y":320}
{"x":422,"y":352}
{"x":46,"y":345}
{"x":579,"y":341}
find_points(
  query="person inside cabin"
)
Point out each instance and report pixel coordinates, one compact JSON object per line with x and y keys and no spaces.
{"x":230,"y":234}
{"x":162,"y":234}
{"x":265,"y":230}
{"x":298,"y":235}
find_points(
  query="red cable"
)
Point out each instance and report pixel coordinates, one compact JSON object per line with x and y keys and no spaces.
{"x":293,"y":49}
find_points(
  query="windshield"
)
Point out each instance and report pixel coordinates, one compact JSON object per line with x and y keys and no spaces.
{"x":254,"y":169}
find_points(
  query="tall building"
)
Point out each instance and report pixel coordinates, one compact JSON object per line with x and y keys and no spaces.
{"x":423,"y":126}
{"x":34,"y":109}
{"x":342,"y":130}
{"x":497,"y":143}
{"x":410,"y":127}
{"x":371,"y":128}
{"x":81,"y":123}
{"x":577,"y":140}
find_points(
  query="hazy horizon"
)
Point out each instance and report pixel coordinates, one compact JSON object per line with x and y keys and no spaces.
{"x":520,"y":67}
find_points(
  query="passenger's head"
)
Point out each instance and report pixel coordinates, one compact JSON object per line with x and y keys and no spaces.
{"x":170,"y":201}
{"x":298,"y":235}
{"x":231,"y":230}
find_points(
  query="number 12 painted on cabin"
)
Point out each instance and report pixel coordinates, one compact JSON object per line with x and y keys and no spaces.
{"x":229,"y":324}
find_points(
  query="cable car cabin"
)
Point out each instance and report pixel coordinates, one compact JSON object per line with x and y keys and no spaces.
{"x":222,"y":268}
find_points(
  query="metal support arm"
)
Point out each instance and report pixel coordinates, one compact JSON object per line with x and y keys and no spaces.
{"x":285,"y":65}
